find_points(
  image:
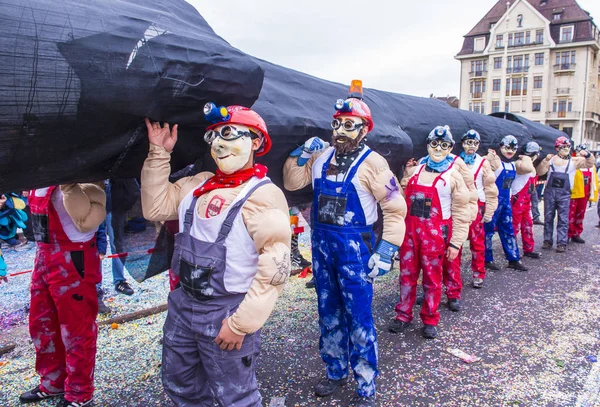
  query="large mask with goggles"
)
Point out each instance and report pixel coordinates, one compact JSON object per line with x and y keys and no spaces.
{"x":470,"y":142}
{"x":439,"y":143}
{"x":235,"y":133}
{"x":509,"y":146}
{"x":352,"y":120}
{"x":563,"y":147}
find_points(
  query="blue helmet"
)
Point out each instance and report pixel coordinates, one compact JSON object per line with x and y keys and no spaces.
{"x":441,"y":133}
{"x":509,"y":141}
{"x":531,"y":148}
{"x":471,"y":135}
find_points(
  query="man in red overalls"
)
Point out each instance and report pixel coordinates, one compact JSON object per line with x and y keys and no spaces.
{"x":579,"y":203}
{"x":436,"y":227}
{"x":62,"y":319}
{"x":522,"y":188}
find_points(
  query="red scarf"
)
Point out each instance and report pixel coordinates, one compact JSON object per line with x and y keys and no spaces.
{"x":221,"y":180}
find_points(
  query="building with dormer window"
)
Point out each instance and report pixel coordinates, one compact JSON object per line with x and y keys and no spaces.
{"x":539,"y":59}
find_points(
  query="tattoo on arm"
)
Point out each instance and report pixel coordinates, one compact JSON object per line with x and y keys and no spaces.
{"x":283,"y":271}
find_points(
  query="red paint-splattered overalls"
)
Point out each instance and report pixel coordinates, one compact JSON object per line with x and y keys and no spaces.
{"x":476,"y":233}
{"x":424,"y":247}
{"x":579,"y":206}
{"x":521,"y":207}
{"x":64,"y":306}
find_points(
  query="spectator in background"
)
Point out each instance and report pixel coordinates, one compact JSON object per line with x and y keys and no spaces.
{"x":121,"y":195}
{"x":12,"y":218}
{"x":101,"y":244}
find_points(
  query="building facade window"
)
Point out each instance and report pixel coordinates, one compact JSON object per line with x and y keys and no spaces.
{"x":566,"y":34}
{"x":528,"y":37}
{"x":479,"y":67}
{"x":510,"y":40}
{"x":506,"y":106}
{"x":519,"y":38}
{"x":495,"y":106}
{"x":479,"y":43}
{"x":539,"y":59}
{"x":499,"y":41}
{"x":556,"y":16}
{"x":525,"y":82}
{"x":536,"y":107}
{"x":566,"y":59}
{"x":507,"y":86}
{"x":537,"y":82}
{"x":496,"y":85}
{"x":539,"y":36}
{"x":498,"y":63}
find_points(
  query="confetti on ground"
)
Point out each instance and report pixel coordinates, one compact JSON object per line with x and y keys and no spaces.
{"x":519,"y":324}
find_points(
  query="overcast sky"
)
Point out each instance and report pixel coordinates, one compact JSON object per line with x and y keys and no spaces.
{"x":395,"y":45}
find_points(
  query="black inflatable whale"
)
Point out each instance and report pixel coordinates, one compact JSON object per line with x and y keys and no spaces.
{"x":79,"y":77}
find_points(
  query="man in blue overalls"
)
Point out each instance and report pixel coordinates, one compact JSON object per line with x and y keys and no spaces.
{"x":505,"y":170}
{"x":349,"y":180}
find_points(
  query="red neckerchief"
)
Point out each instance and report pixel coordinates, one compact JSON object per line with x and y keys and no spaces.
{"x":220,"y":180}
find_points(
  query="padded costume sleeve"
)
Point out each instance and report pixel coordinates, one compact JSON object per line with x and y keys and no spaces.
{"x":494,"y":161}
{"x":524,"y":165}
{"x":85,"y":204}
{"x":543,"y":167}
{"x":160,"y":198}
{"x":489,"y":189}
{"x":266,"y":216}
{"x":582,"y":162}
{"x":461,"y":212}
{"x":376,"y":177}
{"x":470,"y":183}
{"x":296,"y":177}
{"x":408,"y":172}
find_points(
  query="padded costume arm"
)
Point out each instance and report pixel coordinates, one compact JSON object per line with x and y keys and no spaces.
{"x":160,"y":198}
{"x":489,"y":189}
{"x":494,"y":161}
{"x":543,"y":167}
{"x":376,"y":177}
{"x":85,"y":204}
{"x":582,"y":162}
{"x":461,"y":212}
{"x":470,"y":183}
{"x":408,"y":172}
{"x":266,"y":216}
{"x":296,"y":177}
{"x":524,"y":165}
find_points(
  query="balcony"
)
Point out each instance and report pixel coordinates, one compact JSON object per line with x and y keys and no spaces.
{"x":476,"y":95}
{"x":563,"y":91}
{"x":517,"y":69}
{"x":478,"y":74}
{"x":566,"y":67}
{"x":563,"y":115}
{"x":519,"y":44}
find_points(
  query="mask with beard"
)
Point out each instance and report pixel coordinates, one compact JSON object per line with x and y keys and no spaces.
{"x":348,"y":141}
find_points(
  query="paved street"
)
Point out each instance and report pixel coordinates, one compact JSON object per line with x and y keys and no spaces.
{"x":533,"y":331}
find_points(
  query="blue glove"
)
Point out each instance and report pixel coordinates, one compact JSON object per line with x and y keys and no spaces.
{"x":380,"y":262}
{"x":305,"y":151}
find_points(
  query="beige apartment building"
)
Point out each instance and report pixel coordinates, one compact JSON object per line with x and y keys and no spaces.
{"x":539,"y":59}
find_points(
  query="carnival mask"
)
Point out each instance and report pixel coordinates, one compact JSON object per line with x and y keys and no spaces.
{"x":470,"y":146}
{"x":508,"y":151}
{"x":439,"y":150}
{"x":231,"y":146}
{"x":347,"y":132}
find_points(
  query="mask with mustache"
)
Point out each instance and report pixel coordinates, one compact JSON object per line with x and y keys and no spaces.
{"x":347,"y":144}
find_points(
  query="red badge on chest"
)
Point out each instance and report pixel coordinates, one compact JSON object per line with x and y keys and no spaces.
{"x":214,"y":206}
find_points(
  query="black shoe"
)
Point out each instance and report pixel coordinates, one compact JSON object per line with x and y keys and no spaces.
{"x":359,"y":401}
{"x":311,"y":283}
{"x":396,"y":326}
{"x":102,"y":307}
{"x":577,"y":239}
{"x":454,"y":304}
{"x":327,"y":386}
{"x":533,"y":255}
{"x":490,"y":265}
{"x":124,"y":288}
{"x":34,"y":395}
{"x":477,"y":282}
{"x":561,"y":248}
{"x":517,"y":265}
{"x":547,"y":245}
{"x":299,"y":263}
{"x":538,"y":222}
{"x":429,"y":331}
{"x":65,"y":403}
{"x":420,"y":299}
